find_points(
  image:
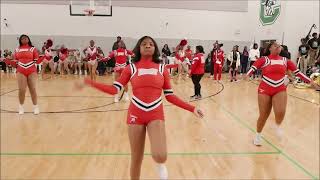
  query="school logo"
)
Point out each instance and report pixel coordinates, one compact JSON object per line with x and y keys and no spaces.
{"x":269,"y":11}
{"x":133,"y":119}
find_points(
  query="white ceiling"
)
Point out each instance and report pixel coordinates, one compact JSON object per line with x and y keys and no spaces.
{"x":211,"y":5}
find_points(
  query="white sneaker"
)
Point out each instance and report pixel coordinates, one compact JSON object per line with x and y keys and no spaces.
{"x":257,"y":139}
{"x":279,"y":132}
{"x":116,"y":98}
{"x":126,"y":97}
{"x":211,"y":76}
{"x":85,"y":72}
{"x":36,"y":110}
{"x":163,"y":172}
{"x":21,"y":109}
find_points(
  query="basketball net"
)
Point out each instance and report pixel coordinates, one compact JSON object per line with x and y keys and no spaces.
{"x":90,"y":11}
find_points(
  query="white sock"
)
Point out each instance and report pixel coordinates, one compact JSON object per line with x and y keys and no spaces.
{"x":279,"y":130}
{"x":21,"y":106}
{"x":163,"y":172}
{"x":35,"y":106}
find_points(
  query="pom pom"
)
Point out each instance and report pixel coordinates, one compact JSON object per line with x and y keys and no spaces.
{"x":64,"y":50}
{"x":183,"y":42}
{"x":49,"y":43}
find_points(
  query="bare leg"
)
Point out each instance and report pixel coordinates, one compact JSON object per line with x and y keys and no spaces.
{"x":22,"y":85}
{"x":279,"y":103}
{"x":137,"y":135}
{"x":265,"y":105}
{"x":32,"y":78}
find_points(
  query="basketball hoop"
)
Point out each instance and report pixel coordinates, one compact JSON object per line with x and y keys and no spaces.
{"x":89,"y":12}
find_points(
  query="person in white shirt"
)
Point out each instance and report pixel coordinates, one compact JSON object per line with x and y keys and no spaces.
{"x":254,"y":54}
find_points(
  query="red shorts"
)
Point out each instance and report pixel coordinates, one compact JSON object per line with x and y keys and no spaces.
{"x":141,"y":117}
{"x":45,"y":59}
{"x":27,"y":71}
{"x":269,"y":90}
{"x":13,"y":64}
{"x":118,"y":70}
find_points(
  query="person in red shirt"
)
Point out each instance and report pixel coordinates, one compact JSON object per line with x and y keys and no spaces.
{"x":63,"y":55}
{"x":120,"y":55}
{"x":197,"y":71}
{"x":145,"y":114}
{"x":218,"y":61}
{"x":26,"y":55}
{"x":272,"y":89}
{"x":47,"y":58}
{"x":188,"y":53}
{"x":91,"y":53}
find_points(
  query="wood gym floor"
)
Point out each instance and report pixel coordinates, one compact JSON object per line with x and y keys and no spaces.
{"x":83,"y":134}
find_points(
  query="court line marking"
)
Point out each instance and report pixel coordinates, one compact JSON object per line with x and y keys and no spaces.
{"x":102,"y":97}
{"x":85,"y":110}
{"x":281,"y":152}
{"x":146,"y":154}
{"x":9,"y":92}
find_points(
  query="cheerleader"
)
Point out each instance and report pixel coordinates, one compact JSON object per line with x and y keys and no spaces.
{"x":26,"y":55}
{"x":121,"y":56}
{"x":218,"y":61}
{"x":63,"y":59}
{"x":78,"y":63}
{"x":272,"y":89}
{"x":180,"y":56}
{"x":145,"y":114}
{"x":47,"y":58}
{"x":91,"y":53}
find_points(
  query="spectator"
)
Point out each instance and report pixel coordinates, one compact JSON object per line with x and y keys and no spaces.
{"x":166,"y":50}
{"x":165,"y":54}
{"x":101,"y":65}
{"x":234,"y":58}
{"x":244,"y":60}
{"x":254,"y":54}
{"x":303,"y":56}
{"x":2,"y":63}
{"x":313,"y":44}
{"x":115,"y":44}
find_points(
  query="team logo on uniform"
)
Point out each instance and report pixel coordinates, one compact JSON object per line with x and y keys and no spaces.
{"x":269,"y":11}
{"x":133,"y":119}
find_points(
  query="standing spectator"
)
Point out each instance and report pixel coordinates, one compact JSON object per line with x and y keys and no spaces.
{"x":197,"y":71}
{"x":115,"y":44}
{"x":166,"y":53}
{"x":211,"y":56}
{"x":318,"y":56}
{"x":244,"y":60}
{"x":166,"y":50}
{"x":313,"y":44}
{"x":101,"y":65}
{"x":254,"y":54}
{"x":2,"y":63}
{"x":303,"y":56}
{"x":234,"y":58}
